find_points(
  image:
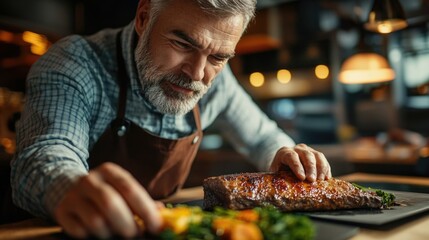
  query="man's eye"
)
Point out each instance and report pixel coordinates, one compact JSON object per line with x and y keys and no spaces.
{"x":181,"y":45}
{"x":219,"y":60}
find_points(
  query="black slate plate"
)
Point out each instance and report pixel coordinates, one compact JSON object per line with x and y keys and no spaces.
{"x":411,"y":204}
{"x":333,"y":231}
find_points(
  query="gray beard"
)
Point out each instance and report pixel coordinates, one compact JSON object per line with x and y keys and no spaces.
{"x":168,"y":101}
{"x":156,"y":84}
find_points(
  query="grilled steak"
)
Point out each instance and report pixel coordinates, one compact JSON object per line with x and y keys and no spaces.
{"x":284,"y":191}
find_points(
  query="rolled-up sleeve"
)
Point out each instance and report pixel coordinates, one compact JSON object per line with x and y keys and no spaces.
{"x":52,"y":134}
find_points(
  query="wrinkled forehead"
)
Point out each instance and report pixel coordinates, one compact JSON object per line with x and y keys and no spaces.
{"x":203,"y":26}
{"x":191,"y":10}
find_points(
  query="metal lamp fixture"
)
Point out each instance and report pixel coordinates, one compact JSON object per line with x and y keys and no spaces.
{"x":386,"y":16}
{"x":363,"y":68}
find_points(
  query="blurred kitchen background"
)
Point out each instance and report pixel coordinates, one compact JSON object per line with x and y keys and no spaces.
{"x":292,"y":60}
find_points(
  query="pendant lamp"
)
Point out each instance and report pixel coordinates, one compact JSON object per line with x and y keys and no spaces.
{"x":386,"y":16}
{"x":364,"y":68}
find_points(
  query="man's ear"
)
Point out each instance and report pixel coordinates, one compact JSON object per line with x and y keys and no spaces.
{"x":142,"y":16}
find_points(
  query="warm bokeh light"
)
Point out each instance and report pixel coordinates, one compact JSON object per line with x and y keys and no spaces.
{"x":39,"y":43}
{"x":384,"y":26}
{"x":423,"y":90}
{"x":284,"y":76}
{"x":257,"y":79}
{"x":32,"y":37}
{"x":8,"y":145}
{"x":363,"y":68}
{"x":424,"y":152}
{"x":321,"y":71}
{"x":6,"y":36}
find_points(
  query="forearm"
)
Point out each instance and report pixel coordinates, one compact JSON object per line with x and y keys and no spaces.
{"x":40,"y":177}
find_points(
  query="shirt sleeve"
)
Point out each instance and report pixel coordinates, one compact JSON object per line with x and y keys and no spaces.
{"x":52,"y":134}
{"x":246,"y":126}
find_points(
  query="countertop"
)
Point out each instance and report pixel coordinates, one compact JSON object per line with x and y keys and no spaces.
{"x":415,"y":228}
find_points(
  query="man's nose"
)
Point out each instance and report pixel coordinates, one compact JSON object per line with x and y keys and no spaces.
{"x":195,"y":67}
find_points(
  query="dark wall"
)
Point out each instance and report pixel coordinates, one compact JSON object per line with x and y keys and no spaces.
{"x":100,"y":14}
{"x":63,"y":17}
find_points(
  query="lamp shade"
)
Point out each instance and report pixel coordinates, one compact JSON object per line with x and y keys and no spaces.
{"x":363,"y":68}
{"x":386,"y":16}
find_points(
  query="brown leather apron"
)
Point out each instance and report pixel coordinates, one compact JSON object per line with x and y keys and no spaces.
{"x":160,"y":165}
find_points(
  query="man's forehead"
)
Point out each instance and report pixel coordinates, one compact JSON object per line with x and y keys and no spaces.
{"x":189,"y":13}
{"x":202,"y":28}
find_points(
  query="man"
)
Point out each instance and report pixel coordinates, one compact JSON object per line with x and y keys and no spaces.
{"x":130,"y":105}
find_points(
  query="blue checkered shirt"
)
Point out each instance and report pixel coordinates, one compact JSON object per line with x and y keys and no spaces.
{"x":72,"y":96}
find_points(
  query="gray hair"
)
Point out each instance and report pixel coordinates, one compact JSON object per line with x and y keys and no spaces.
{"x":220,"y":8}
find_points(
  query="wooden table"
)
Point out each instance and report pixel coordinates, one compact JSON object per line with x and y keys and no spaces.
{"x":416,"y":229}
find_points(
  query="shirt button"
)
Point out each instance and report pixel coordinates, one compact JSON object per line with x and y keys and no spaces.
{"x":121,"y":131}
{"x":196,"y":138}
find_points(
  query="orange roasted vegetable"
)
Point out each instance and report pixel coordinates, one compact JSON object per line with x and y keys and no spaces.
{"x":234,"y":229}
{"x":178,"y":219}
{"x":248,"y":215}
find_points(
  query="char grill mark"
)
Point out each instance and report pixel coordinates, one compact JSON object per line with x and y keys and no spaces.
{"x":285,"y":191}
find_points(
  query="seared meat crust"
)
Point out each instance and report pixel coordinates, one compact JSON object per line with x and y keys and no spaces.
{"x":284,"y":191}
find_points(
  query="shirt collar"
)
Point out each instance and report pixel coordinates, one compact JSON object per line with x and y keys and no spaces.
{"x":129,"y":42}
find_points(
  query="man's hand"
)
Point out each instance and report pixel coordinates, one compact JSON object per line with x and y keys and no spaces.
{"x":305,"y":162}
{"x":103,"y":204}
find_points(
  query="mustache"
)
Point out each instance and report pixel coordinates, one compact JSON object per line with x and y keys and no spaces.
{"x":185,"y":82}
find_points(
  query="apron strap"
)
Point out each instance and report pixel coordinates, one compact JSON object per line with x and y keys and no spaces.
{"x":197,"y":117}
{"x":120,"y":125}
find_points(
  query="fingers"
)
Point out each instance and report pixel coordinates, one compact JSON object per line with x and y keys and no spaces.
{"x":315,"y":163}
{"x":103,"y":204}
{"x":288,"y":157}
{"x":78,"y":217}
{"x":323,"y":167}
{"x":308,"y":160}
{"x":135,"y":196}
{"x":94,"y":222}
{"x":305,"y":162}
{"x":71,"y":225}
{"x":107,"y":200}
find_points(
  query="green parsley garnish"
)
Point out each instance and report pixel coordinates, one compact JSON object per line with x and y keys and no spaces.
{"x":387,"y":199}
